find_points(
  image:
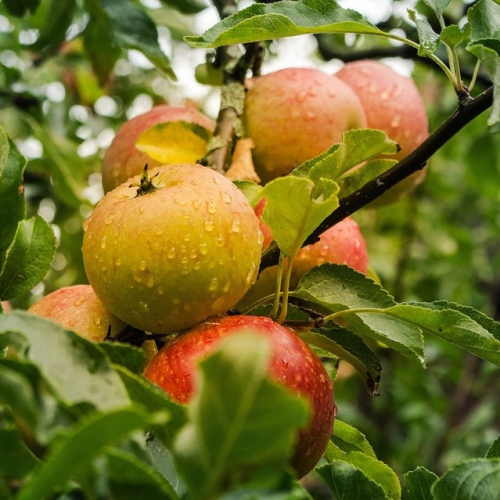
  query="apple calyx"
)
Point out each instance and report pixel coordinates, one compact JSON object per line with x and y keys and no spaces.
{"x":145,"y":184}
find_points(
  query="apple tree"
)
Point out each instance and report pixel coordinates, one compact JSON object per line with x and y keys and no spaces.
{"x":249,"y":249}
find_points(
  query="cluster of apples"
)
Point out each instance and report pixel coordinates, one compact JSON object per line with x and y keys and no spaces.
{"x":172,"y":248}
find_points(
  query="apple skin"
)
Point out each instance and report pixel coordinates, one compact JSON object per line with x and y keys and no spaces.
{"x":123,"y":160}
{"x":78,"y":308}
{"x":264,"y":228}
{"x":341,"y":244}
{"x":163,"y":261}
{"x":293,"y":365}
{"x":295,"y":114}
{"x":392,"y":103}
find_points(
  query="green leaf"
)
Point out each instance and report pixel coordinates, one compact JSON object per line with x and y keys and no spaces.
{"x":282,"y":19}
{"x":16,"y":460}
{"x":20,"y":8}
{"x":374,"y":469}
{"x":57,"y":352}
{"x":349,"y":347}
{"x":453,"y":35}
{"x":494,"y":449}
{"x":126,"y":355}
{"x":429,"y":39}
{"x":132,"y":28}
{"x":83,"y":442}
{"x":251,"y":190}
{"x":154,"y":399}
{"x":186,"y":6}
{"x":476,"y":479}
{"x":242,"y":426}
{"x":484,"y":19}
{"x":53,"y":30}
{"x":130,"y":478}
{"x":98,"y":44}
{"x":419,"y":483}
{"x":28,"y":259}
{"x":349,"y":483}
{"x":348,"y":438}
{"x":437,"y":6}
{"x":295,"y":207}
{"x":12,"y":207}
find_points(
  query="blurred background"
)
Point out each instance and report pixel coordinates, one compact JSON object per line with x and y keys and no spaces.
{"x":63,"y":96}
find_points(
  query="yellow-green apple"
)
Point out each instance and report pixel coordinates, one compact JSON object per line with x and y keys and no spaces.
{"x":341,"y":244}
{"x":392,"y":103}
{"x":183,"y":246}
{"x":295,"y":114}
{"x":293,"y":365}
{"x":78,"y":308}
{"x":123,"y":160}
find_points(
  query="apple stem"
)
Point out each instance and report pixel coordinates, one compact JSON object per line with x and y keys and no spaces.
{"x":286,"y":289}
{"x":145,"y":185}
{"x":277,"y":292}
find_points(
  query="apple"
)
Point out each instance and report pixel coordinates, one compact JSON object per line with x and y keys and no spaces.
{"x":78,"y":308}
{"x":6,"y":307}
{"x":183,"y":246}
{"x":295,"y":114}
{"x":123,"y":160}
{"x":392,"y":103}
{"x":264,"y":228}
{"x":293,"y":365}
{"x":340,"y":244}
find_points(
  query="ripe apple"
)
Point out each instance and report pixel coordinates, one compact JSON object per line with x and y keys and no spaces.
{"x":293,"y":364}
{"x":295,"y":114}
{"x":341,"y":244}
{"x":264,"y":228}
{"x":123,"y":160}
{"x":78,"y":308}
{"x":6,"y":307}
{"x":165,"y":257}
{"x":392,"y":103}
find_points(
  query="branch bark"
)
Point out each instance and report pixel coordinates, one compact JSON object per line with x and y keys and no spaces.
{"x":415,"y":161}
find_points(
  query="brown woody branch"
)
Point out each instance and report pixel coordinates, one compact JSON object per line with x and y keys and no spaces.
{"x":464,"y":114}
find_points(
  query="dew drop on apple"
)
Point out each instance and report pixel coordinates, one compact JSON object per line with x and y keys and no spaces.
{"x":209,"y":225}
{"x":72,"y":322}
{"x":103,"y":242}
{"x":160,"y":290}
{"x":194,"y":254}
{"x":97,"y":320}
{"x":184,"y":260}
{"x":184,"y":249}
{"x":196,"y":204}
{"x":85,"y":224}
{"x":118,"y":262}
{"x":219,"y":241}
{"x":180,"y":202}
{"x":332,"y":93}
{"x":143,"y":265}
{"x":184,"y":271}
{"x":197,"y":266}
{"x":212,"y":207}
{"x":142,"y":209}
{"x":213,"y":285}
{"x":150,"y":282}
{"x":284,"y":362}
{"x":79,"y":302}
{"x":104,"y":269}
{"x":301,"y":96}
{"x":186,"y":215}
{"x":159,"y":232}
{"x":310,"y":115}
{"x":203,"y":248}
{"x":137,"y":277}
{"x":187,"y":237}
{"x":226,"y":198}
{"x":171,"y":253}
{"x":226,"y":287}
{"x":235,"y":226}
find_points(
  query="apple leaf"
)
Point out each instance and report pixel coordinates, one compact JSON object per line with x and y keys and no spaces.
{"x":154,"y":399}
{"x":419,"y":483}
{"x":242,"y":426}
{"x":186,"y":6}
{"x":475,"y":479}
{"x":251,"y":190}
{"x":428,"y":38}
{"x":84,"y":441}
{"x":12,"y":207}
{"x":132,"y":28}
{"x":131,"y":478}
{"x":16,"y":460}
{"x":349,"y":483}
{"x":484,"y":19}
{"x":494,"y":449}
{"x":57,"y":351}
{"x":377,"y":471}
{"x":453,"y":35}
{"x":28,"y":258}
{"x":126,"y":355}
{"x":349,"y":347}
{"x":282,"y":19}
{"x":20,"y":8}
{"x":437,"y":6}
{"x":174,"y":142}
{"x":348,"y":438}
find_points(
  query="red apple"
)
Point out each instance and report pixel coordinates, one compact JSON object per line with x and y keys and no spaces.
{"x":6,"y":307}
{"x":295,"y":114}
{"x":392,"y":103}
{"x":166,"y":257}
{"x":123,"y":160}
{"x":293,"y":364}
{"x":78,"y":308}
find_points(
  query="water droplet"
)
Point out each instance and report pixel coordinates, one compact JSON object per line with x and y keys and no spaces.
{"x":194,"y":254}
{"x":227,"y":286}
{"x":197,"y":266}
{"x":184,"y":271}
{"x":209,"y":225}
{"x":396,"y":121}
{"x":97,"y":321}
{"x":384,"y":95}
{"x":235,"y":226}
{"x":301,"y":96}
{"x":118,"y":262}
{"x":312,"y":93}
{"x":187,"y":237}
{"x":332,"y":93}
{"x":196,"y":204}
{"x":252,"y":274}
{"x":159,"y":232}
{"x":213,"y":285}
{"x":103,"y":242}
{"x":226,"y":198}
{"x":260,"y":237}
{"x":143,"y":265}
{"x":72,"y":322}
{"x":310,"y":115}
{"x":137,"y":277}
{"x":150,"y":281}
{"x":216,"y":180}
{"x":203,"y":248}
{"x":180,"y":202}
{"x":186,"y":215}
{"x":142,"y":209}
{"x":108,"y":220}
{"x":171,"y":253}
{"x":79,"y":302}
{"x":104,"y":269}
{"x":184,"y":249}
{"x":144,"y":305}
{"x":184,"y":260}
{"x":85,"y":224}
{"x":284,"y":362}
{"x":212,"y":207}
{"x":219,"y":241}
{"x":160,"y":290}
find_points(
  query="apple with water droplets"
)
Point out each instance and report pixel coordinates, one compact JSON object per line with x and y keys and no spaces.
{"x":78,"y":308}
{"x":165,"y":251}
{"x":293,"y":365}
{"x":123,"y":160}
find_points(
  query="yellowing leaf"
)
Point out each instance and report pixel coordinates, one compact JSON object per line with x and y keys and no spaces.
{"x":174,"y":142}
{"x":242,"y":168}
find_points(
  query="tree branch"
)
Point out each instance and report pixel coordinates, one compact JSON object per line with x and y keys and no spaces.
{"x":415,"y":161}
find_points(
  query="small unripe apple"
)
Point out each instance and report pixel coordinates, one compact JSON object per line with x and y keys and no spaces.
{"x":165,"y":256}
{"x":266,"y":231}
{"x":295,"y":114}
{"x":78,"y":308}
{"x":293,"y":365}
{"x":123,"y":160}
{"x":392,"y":103}
{"x":341,"y":244}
